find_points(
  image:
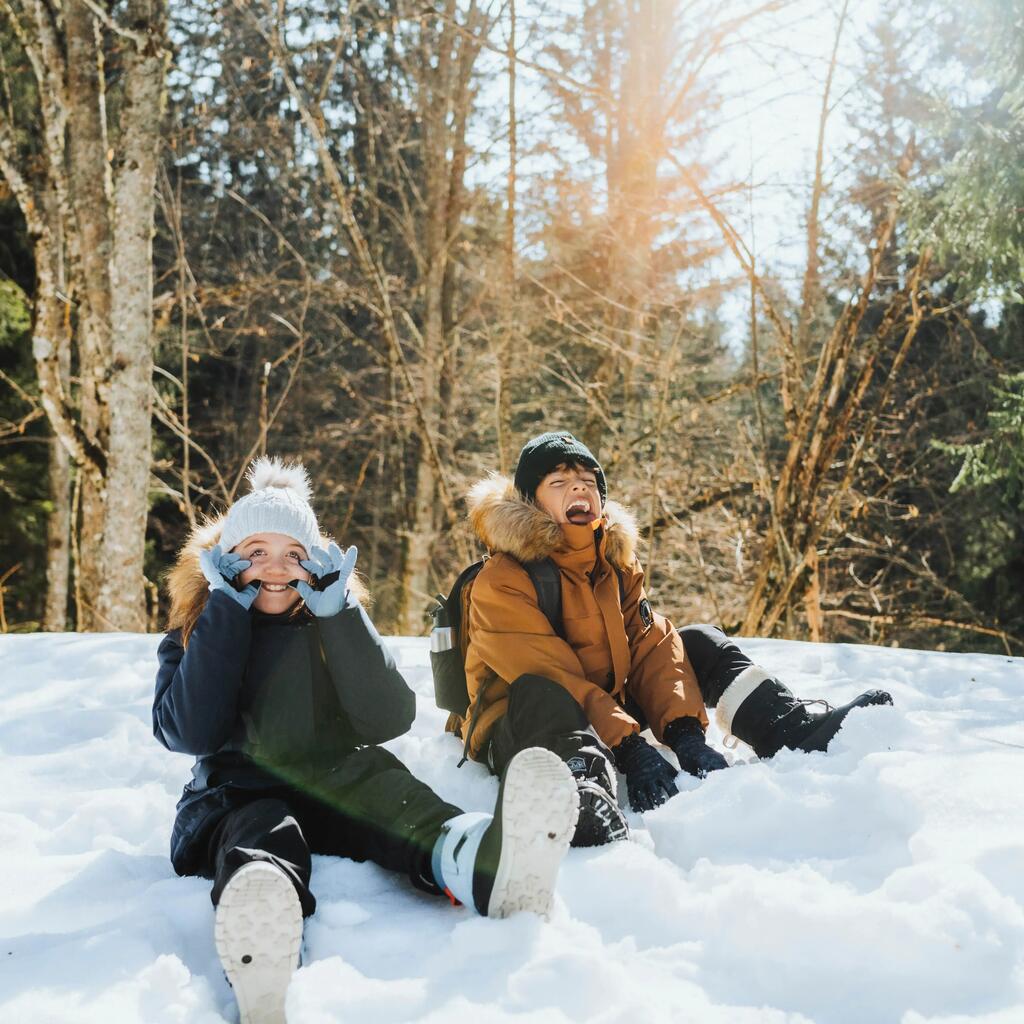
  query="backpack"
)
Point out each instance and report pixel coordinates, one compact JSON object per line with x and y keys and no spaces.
{"x":449,"y":638}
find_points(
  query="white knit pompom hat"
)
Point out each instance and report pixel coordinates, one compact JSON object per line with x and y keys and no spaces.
{"x":279,"y":503}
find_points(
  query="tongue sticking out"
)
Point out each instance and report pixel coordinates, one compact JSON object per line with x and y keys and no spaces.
{"x":579,"y":514}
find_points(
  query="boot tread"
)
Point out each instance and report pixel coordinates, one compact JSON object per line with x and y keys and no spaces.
{"x":258,"y":934}
{"x":537,"y":817}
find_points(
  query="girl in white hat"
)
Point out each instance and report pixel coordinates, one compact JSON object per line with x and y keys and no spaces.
{"x":273,"y":676}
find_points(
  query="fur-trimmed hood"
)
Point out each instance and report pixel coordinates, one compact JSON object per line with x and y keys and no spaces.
{"x":507,"y":522}
{"x":188,"y":588}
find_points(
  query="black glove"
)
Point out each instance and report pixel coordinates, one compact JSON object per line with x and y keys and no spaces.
{"x":650,"y":779}
{"x":686,"y":738}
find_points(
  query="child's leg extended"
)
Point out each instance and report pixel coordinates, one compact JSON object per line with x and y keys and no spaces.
{"x":543,"y":714}
{"x":716,"y":660}
{"x":756,"y":707}
{"x":261,"y":867}
{"x":264,"y":830}
{"x":372,"y":808}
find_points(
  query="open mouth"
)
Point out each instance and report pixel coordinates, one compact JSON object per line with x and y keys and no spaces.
{"x":579,"y":513}
{"x":274,"y":588}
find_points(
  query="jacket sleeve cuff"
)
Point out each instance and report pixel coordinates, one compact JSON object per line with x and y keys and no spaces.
{"x":685,"y":725}
{"x":223,"y":604}
{"x":350,"y":625}
{"x":613,"y":728}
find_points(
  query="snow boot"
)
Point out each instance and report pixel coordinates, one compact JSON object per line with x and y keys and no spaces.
{"x":508,"y":861}
{"x":759,"y":710}
{"x":258,"y":933}
{"x":601,"y":819}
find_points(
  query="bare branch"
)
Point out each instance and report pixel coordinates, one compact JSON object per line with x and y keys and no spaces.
{"x":146,"y":42}
{"x":21,"y":392}
{"x":583,"y":88}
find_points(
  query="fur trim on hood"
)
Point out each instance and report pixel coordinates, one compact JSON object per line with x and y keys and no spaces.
{"x":187,"y":585}
{"x":507,"y":522}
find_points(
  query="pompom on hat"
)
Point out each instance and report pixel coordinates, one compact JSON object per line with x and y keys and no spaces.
{"x":278,"y":503}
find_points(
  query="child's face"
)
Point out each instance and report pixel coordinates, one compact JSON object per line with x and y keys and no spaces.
{"x":569,"y":494}
{"x":275,"y":562}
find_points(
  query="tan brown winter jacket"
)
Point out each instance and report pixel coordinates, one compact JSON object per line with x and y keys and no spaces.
{"x":612,"y":647}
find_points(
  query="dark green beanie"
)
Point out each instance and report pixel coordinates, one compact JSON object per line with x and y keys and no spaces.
{"x":549,"y":451}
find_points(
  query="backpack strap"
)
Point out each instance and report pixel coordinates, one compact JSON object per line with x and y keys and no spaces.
{"x":547,"y":581}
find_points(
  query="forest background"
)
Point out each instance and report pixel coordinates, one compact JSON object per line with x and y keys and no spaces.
{"x":764,"y":258}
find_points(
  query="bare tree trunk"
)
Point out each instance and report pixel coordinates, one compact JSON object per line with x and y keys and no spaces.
{"x":434,"y":106}
{"x":40,"y":188}
{"x":122,"y":593}
{"x":416,"y":575}
{"x":507,"y":336}
{"x":52,"y":320}
{"x":645,"y":74}
{"x":58,"y":540}
{"x":88,"y":177}
{"x":79,"y":217}
{"x":445,"y":99}
{"x":634,"y":140}
{"x":423,"y":526}
{"x":59,"y":524}
{"x":810,"y":296}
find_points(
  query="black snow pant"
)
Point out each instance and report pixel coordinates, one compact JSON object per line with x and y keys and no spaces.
{"x":543,"y":714}
{"x":369,"y":807}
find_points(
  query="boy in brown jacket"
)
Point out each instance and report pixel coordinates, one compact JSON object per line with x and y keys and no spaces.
{"x":585,"y":687}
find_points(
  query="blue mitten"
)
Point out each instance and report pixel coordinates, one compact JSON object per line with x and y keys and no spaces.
{"x":331,"y":569}
{"x":221,"y":568}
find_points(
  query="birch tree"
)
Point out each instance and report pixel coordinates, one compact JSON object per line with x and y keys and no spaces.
{"x":82,"y":165}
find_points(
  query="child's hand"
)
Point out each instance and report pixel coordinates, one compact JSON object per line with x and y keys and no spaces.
{"x":650,"y":779}
{"x":686,"y":738}
{"x":331,"y":569}
{"x":221,"y":568}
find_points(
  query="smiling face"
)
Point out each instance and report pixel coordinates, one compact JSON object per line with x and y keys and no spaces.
{"x":569,"y":494}
{"x":275,"y":562}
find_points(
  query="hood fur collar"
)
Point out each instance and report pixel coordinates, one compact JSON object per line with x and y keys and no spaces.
{"x":187,"y":585}
{"x":507,"y":522}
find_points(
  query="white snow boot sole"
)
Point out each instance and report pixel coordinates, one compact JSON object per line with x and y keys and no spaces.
{"x":258,"y":932}
{"x":539,"y":809}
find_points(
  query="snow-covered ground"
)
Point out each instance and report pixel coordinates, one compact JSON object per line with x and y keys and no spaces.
{"x":882,"y":881}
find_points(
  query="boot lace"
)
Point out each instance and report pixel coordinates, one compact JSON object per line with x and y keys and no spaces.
{"x":730,"y":741}
{"x":796,"y":703}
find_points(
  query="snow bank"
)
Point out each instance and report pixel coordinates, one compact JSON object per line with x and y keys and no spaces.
{"x":883,"y":881}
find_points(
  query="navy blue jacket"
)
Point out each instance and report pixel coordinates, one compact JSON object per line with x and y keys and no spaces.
{"x":264,"y":701}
